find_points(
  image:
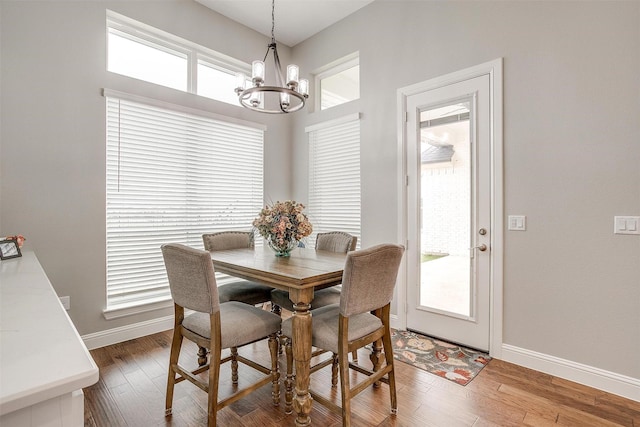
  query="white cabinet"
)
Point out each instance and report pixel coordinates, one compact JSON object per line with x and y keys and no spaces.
{"x":44,"y":363}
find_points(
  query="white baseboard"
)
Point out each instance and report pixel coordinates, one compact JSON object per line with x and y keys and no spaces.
{"x":128,"y":332}
{"x":394,"y":322}
{"x":608,"y":381}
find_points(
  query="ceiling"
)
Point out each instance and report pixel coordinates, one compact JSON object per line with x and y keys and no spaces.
{"x":295,"y":20}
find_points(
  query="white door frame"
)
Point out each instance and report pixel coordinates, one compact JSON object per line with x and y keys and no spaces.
{"x":494,"y":70}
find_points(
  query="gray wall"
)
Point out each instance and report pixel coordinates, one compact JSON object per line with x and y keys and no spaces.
{"x":571,"y":146}
{"x":571,"y":135}
{"x":53,"y":131}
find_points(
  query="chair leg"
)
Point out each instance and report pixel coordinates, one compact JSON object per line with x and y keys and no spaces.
{"x":234,"y":365}
{"x":334,"y":370}
{"x":275,"y":373}
{"x":202,"y":356}
{"x":214,"y":377}
{"x":276,"y":309}
{"x":354,"y":356}
{"x":289,"y":378}
{"x":376,"y":359}
{"x":176,"y":344}
{"x":345,"y":388}
{"x":388,"y":353}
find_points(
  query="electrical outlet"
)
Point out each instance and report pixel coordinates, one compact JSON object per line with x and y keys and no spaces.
{"x":66,"y":302}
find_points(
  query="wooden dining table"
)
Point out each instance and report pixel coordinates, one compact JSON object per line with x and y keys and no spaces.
{"x":304,"y":271}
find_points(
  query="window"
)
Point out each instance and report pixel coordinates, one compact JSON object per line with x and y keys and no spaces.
{"x":339,"y":82}
{"x":146,"y":53}
{"x":172,"y":175}
{"x":334,"y":176}
{"x":146,"y":60}
{"x":216,"y":82}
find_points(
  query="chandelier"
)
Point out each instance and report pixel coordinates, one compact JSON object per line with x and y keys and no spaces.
{"x":282,"y":98}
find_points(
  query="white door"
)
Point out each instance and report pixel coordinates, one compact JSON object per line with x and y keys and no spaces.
{"x":449,"y":211}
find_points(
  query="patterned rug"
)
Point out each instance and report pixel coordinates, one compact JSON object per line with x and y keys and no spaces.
{"x":450,"y":361}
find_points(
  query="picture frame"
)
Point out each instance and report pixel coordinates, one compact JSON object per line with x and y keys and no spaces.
{"x":9,"y":249}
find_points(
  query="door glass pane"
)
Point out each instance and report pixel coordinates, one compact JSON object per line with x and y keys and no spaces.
{"x":446,"y":201}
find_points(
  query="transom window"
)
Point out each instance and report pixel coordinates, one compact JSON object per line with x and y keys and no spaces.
{"x":140,"y":51}
{"x":339,"y":82}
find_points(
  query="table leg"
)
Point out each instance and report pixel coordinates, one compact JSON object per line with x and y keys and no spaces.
{"x":302,"y":400}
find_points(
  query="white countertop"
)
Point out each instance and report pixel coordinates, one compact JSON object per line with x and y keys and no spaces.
{"x":41,"y":353}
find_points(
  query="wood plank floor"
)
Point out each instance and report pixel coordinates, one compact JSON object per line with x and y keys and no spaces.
{"x":132,"y":384}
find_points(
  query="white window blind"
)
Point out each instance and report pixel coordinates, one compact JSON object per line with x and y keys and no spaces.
{"x":172,"y":176}
{"x":334,"y":177}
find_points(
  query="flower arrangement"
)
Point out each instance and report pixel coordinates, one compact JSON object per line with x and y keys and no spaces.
{"x":283,"y":224}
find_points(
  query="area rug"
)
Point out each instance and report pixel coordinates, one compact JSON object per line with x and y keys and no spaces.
{"x":450,"y":361}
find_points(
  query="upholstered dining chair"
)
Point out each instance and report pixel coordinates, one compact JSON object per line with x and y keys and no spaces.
{"x":215,"y":326}
{"x":361,"y":318}
{"x":333,"y":241}
{"x":239,"y":290}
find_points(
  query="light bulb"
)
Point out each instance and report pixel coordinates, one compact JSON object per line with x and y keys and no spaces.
{"x":304,"y":87}
{"x":284,"y":101}
{"x":241,"y":80}
{"x":292,"y":75}
{"x":256,"y":99}
{"x":257,"y":72}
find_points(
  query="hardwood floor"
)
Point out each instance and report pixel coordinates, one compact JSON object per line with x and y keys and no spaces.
{"x":132,"y":383}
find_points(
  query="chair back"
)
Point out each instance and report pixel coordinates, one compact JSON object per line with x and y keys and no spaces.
{"x":336,"y":241}
{"x":192,"y":279}
{"x":369,"y":278}
{"x":223,"y":240}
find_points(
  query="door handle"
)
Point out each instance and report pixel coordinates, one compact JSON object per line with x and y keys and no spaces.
{"x":481,"y":248}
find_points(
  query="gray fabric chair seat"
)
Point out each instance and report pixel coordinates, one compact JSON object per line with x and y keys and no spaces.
{"x":321,"y":298}
{"x":325,"y":327}
{"x":244,"y":291}
{"x":240,"y":324}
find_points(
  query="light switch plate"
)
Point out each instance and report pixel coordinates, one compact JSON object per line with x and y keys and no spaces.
{"x":626,"y":225}
{"x":517,"y":222}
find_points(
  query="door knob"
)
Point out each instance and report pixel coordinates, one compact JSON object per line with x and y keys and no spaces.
{"x":481,"y":248}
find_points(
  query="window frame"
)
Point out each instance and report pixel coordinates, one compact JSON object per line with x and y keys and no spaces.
{"x":330,"y":70}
